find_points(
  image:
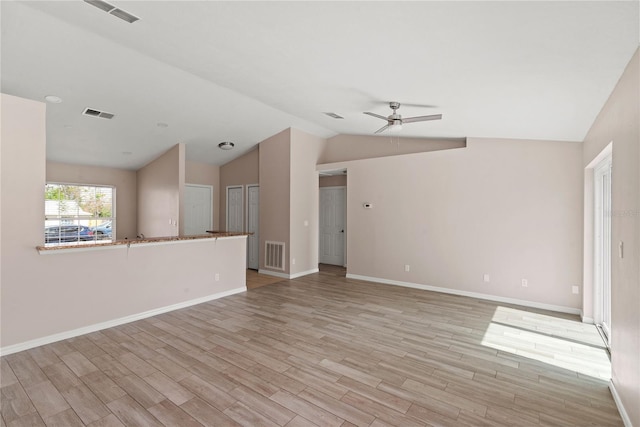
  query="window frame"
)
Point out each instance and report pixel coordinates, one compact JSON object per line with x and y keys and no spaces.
{"x":74,"y":220}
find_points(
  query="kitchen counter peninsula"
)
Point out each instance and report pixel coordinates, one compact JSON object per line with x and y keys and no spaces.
{"x":146,"y":240}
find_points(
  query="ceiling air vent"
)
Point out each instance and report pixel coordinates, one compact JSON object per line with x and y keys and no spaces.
{"x":334,"y":115}
{"x":111,"y":9}
{"x":96,"y":113}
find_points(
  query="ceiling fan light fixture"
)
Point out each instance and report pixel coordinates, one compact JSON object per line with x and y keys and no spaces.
{"x":226,"y":145}
{"x":395,"y":127}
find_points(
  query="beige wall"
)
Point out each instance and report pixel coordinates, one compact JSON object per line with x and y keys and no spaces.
{"x":241,"y":171}
{"x":206,"y":174}
{"x":22,"y":162}
{"x":342,"y":148}
{"x":509,"y":208}
{"x":275,"y":181}
{"x":333,"y":181}
{"x":123,"y":180}
{"x":160,"y":187}
{"x":304,"y":205}
{"x":37,"y":305}
{"x":618,"y":123}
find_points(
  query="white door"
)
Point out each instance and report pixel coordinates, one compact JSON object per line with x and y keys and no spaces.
{"x":234,"y":209}
{"x":333,"y":203}
{"x":253,"y":219}
{"x":602,"y":198}
{"x":198,"y":217}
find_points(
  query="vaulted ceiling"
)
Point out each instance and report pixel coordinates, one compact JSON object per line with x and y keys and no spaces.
{"x":242,"y":71}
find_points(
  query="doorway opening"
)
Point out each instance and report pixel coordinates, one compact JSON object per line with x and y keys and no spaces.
{"x":333,"y":218}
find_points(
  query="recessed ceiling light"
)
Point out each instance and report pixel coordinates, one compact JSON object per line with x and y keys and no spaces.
{"x":127,"y":153}
{"x":68,"y":126}
{"x":226,"y":145}
{"x":162,"y":125}
{"x":53,"y":99}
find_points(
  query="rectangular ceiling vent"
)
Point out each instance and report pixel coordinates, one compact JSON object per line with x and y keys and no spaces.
{"x":334,"y":115}
{"x":96,"y":113}
{"x":112,"y":10}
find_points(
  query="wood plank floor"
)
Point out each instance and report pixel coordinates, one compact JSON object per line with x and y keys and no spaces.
{"x":321,"y":350}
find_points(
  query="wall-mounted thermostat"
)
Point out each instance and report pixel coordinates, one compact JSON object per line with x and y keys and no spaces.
{"x":367,"y":205}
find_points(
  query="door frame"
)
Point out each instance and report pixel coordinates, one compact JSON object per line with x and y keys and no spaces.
{"x":602,"y":246}
{"x":344,"y":254}
{"x":246,"y":203}
{"x":210,"y":187}
{"x":226,"y":216}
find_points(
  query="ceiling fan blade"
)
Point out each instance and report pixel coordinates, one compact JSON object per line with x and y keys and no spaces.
{"x":422,"y":118}
{"x":382,"y":129}
{"x":377,"y":115}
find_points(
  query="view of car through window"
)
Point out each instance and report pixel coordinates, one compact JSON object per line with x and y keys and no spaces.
{"x":78,"y":214}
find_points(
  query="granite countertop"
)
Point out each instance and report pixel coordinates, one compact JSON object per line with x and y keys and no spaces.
{"x":211,"y":234}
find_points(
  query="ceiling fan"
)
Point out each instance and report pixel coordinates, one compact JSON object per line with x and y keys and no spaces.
{"x":395,"y":120}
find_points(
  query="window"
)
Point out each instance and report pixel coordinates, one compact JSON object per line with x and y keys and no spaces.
{"x":76,"y":214}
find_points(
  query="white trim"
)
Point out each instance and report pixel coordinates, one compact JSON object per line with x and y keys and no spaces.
{"x":287,"y":276}
{"x":616,"y":398}
{"x":303,"y":273}
{"x":62,"y":249}
{"x":115,"y":322}
{"x":602,"y":251}
{"x":274,"y":274}
{"x":588,"y":320}
{"x":333,"y":187}
{"x":533,"y":304}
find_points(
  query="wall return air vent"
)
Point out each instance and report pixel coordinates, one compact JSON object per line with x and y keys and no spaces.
{"x":274,"y":255}
{"x":97,"y":113}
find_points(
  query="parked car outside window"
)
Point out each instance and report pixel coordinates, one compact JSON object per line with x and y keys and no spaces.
{"x":67,"y":233}
{"x":103,"y":231}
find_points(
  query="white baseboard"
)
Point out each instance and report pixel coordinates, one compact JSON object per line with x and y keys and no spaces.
{"x":287,"y":276}
{"x":304,"y":273}
{"x":15,"y":348}
{"x":616,"y":398}
{"x":274,"y":274}
{"x":478,"y":295}
{"x":588,"y":320}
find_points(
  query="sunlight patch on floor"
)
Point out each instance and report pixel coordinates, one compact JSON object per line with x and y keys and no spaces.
{"x":559,"y":342}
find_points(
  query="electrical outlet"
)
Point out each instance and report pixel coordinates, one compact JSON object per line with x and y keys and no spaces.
{"x":407,"y":267}
{"x":525,"y":283}
{"x":217,"y":277}
{"x":486,"y":278}
{"x":293,"y":261}
{"x":575,"y":289}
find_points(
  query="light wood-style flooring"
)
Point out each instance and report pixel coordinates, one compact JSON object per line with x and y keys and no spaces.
{"x":321,"y":350}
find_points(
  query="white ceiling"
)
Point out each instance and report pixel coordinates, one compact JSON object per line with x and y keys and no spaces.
{"x":243,"y":71}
